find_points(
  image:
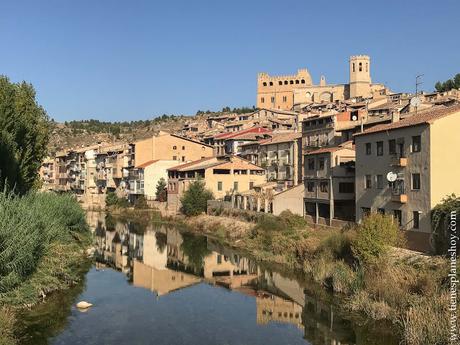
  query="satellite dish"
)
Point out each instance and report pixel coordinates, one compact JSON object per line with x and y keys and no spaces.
{"x":354,"y":118}
{"x":391,"y":176}
{"x":415,"y":101}
{"x":90,"y":154}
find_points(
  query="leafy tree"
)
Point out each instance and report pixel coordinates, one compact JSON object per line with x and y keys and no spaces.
{"x":161,"y":194}
{"x":24,"y":133}
{"x":141,"y":202}
{"x":111,"y":199}
{"x":440,"y":222}
{"x":449,"y":84}
{"x":375,"y":235}
{"x":195,"y":199}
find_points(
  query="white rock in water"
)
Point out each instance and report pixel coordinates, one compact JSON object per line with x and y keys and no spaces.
{"x":84,"y":305}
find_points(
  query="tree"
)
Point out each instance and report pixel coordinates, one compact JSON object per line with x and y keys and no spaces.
{"x":195,"y":199}
{"x":161,"y":194}
{"x":24,"y":133}
{"x":449,"y":84}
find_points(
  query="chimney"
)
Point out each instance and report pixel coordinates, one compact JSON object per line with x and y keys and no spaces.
{"x":395,"y":116}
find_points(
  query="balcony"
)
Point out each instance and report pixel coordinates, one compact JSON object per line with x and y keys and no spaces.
{"x":398,"y":161}
{"x":400,"y":198}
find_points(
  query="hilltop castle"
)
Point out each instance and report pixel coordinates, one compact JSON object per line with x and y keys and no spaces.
{"x":295,"y":91}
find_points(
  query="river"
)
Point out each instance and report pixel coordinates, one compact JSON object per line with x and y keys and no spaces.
{"x":153,"y":284}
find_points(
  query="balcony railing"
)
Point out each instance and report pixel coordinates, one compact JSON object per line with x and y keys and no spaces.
{"x":398,"y":192}
{"x":398,"y":161}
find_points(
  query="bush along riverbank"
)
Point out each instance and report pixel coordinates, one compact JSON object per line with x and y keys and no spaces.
{"x":362,"y":263}
{"x":43,"y":237}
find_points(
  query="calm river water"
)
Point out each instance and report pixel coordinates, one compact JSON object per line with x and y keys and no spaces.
{"x":152,"y":284}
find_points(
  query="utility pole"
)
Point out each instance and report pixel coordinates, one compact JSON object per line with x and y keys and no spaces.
{"x":417,"y":83}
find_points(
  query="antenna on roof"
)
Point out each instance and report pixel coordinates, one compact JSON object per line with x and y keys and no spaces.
{"x":416,"y":101}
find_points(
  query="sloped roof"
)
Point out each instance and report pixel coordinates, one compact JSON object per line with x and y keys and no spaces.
{"x":146,"y":164}
{"x":424,"y":117}
{"x":281,"y":138}
{"x":253,"y":130}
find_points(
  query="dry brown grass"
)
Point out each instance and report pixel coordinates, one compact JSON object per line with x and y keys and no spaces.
{"x":7,"y":321}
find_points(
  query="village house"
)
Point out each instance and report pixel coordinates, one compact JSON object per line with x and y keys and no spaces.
{"x":329,"y":180}
{"x":406,"y":168}
{"x":223,"y":176}
{"x":48,"y":174}
{"x":229,"y":143}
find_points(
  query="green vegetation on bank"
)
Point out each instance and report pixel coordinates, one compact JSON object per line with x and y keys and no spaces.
{"x":42,"y":242}
{"x":360,"y":263}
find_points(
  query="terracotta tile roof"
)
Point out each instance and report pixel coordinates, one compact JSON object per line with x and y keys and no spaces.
{"x":190,"y":164}
{"x":424,"y":117}
{"x":146,"y":164}
{"x":324,"y":150}
{"x":281,"y":138}
{"x":254,"y":130}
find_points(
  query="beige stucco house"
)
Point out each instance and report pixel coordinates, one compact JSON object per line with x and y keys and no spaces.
{"x":223,"y":176}
{"x":419,"y":153}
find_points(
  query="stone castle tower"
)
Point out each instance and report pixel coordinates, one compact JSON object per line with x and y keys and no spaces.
{"x":360,"y":76}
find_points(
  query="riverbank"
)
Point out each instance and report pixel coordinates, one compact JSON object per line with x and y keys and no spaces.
{"x":43,"y":241}
{"x":407,"y":288}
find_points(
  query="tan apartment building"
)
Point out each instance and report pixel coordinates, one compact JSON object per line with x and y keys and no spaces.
{"x":166,"y":146}
{"x":406,"y":168}
{"x":329,"y":180}
{"x":292,"y":91}
{"x":222,"y":175}
{"x":47,"y":174}
{"x":230,"y":143}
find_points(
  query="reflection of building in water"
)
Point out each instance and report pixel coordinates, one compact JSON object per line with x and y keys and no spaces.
{"x":161,"y":281}
{"x":272,"y":308}
{"x":228,"y":268}
{"x":154,"y":254}
{"x":324,"y":326}
{"x":95,"y":219}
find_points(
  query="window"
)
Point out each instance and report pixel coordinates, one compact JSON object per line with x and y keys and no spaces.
{"x":415,"y":181}
{"x":353,"y":67}
{"x":368,"y":148}
{"x":346,"y":187}
{"x":235,"y":186}
{"x":183,"y":159}
{"x":366,"y":211}
{"x":219,"y":259}
{"x":397,"y":214}
{"x":416,"y":143}
{"x":264,"y":84}
{"x":219,"y":186}
{"x":360,"y":66}
{"x":367,"y":67}
{"x":416,"y":216}
{"x":272,"y":99}
{"x":284,"y":99}
{"x":291,"y":82}
{"x":280,"y":83}
{"x":368,"y":182}
{"x":183,"y":147}
{"x":310,"y":186}
{"x":302,"y":81}
{"x":174,"y":158}
{"x":381,"y":210}
{"x":251,"y":185}
{"x":262,"y":100}
{"x":311,"y":164}
{"x":323,"y":187}
{"x":321,"y":164}
{"x":174,"y":147}
{"x":271,"y":83}
{"x":379,"y":148}
{"x":285,"y":82}
{"x":392,"y":147}
{"x":297,"y":81}
{"x":380,"y":181}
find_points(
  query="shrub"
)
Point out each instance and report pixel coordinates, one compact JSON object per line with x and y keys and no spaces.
{"x":338,"y":244}
{"x":440,"y":219}
{"x":195,"y":199}
{"x":111,"y":199}
{"x":122,"y":202}
{"x":374,"y":237}
{"x":141,"y":202}
{"x":161,"y":192}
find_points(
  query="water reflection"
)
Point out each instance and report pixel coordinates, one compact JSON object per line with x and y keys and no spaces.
{"x":163,"y":260}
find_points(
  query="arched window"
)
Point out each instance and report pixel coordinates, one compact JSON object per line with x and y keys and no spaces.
{"x":271,"y":83}
{"x":297,"y":81}
{"x":264,"y":84}
{"x":353,"y":66}
{"x":285,"y":82}
{"x":280,"y":83}
{"x":174,"y":147}
{"x":291,"y":82}
{"x":367,"y":67}
{"x":360,"y":66}
{"x":302,"y":81}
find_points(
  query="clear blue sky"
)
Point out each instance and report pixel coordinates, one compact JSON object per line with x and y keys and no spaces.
{"x":124,"y":60}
